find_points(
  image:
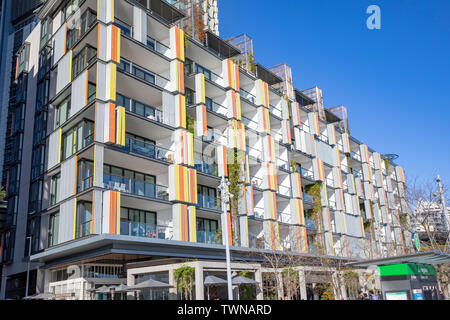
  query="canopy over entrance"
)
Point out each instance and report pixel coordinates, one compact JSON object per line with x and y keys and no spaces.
{"x":428,"y":257}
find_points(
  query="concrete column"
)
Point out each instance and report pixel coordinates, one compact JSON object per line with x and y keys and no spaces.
{"x":259,"y":287}
{"x":302,"y":283}
{"x":199,"y":287}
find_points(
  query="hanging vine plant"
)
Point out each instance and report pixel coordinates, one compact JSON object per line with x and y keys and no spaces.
{"x":235,"y":187}
{"x":184,"y":276}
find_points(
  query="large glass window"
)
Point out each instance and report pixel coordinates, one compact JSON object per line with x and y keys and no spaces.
{"x":77,"y":138}
{"x":62,"y":112}
{"x":37,"y":162}
{"x":35,"y":198}
{"x":55,"y":193}
{"x":82,"y":60}
{"x":85,"y":175}
{"x":139,"y":223}
{"x":53,"y":229}
{"x":33,"y":231}
{"x":83,"y":219}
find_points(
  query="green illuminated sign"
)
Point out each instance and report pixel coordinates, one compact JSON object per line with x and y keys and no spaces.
{"x":407,"y":269}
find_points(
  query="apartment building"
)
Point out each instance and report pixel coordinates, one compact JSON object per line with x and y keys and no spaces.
{"x":130,"y":126}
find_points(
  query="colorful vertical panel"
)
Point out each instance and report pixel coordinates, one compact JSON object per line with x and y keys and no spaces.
{"x":286,"y":131}
{"x":264,"y":120}
{"x":296,"y":117}
{"x":177,"y":76}
{"x":200,"y":92}
{"x":177,"y":39}
{"x":270,"y":205}
{"x":231,"y":75}
{"x":297,"y":211}
{"x":234,"y":105}
{"x":331,"y":134}
{"x":221,"y":153}
{"x":202,"y":126}
{"x":120,"y":126}
{"x":270,"y":176}
{"x":180,"y":111}
{"x":268,"y":149}
{"x":262,"y":93}
{"x":182,"y":184}
{"x":296,"y":184}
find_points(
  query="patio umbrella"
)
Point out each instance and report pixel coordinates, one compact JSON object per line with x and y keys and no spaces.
{"x":41,"y":296}
{"x":214,"y":281}
{"x":238,"y":280}
{"x":119,"y":288}
{"x":103,"y":289}
{"x":149,"y":284}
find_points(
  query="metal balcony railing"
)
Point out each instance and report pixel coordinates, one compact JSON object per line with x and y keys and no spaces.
{"x":136,"y":229}
{"x":135,"y":187}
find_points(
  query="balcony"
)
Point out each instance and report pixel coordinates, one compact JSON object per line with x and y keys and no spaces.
{"x":210,"y":203}
{"x":275,"y":111}
{"x":313,"y":249}
{"x":209,"y":237}
{"x":255,"y":242}
{"x":215,"y":107}
{"x":136,"y":229}
{"x":284,"y":191}
{"x":310,"y":224}
{"x":206,"y":165}
{"x":248,"y":96}
{"x":141,"y":109}
{"x":151,"y":43}
{"x":305,"y":173}
{"x":191,"y":67}
{"x":147,"y":150}
{"x":330,"y":182}
{"x":307,"y":198}
{"x":284,"y":217}
{"x":332,"y":204}
{"x":135,"y":187}
{"x":249,"y":123}
{"x":145,"y":75}
{"x":355,"y":156}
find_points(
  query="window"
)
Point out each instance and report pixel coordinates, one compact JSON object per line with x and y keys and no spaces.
{"x":62,"y":112}
{"x":77,"y":138}
{"x":55,"y":192}
{"x":33,"y":231}
{"x":71,"y":7}
{"x":129,"y":181}
{"x":22,"y":60}
{"x":135,"y":222}
{"x":85,"y":175}
{"x":73,"y":35}
{"x":125,"y":29}
{"x":207,"y":225}
{"x":40,"y":128}
{"x":35,"y":198}
{"x":46,"y":31}
{"x":8,"y":249}
{"x":37,"y":162}
{"x":53,"y":229}
{"x":82,"y":60}
{"x":83,"y":219}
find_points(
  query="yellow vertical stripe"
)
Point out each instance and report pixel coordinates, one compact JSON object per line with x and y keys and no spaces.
{"x":118,"y":214}
{"x":193,"y":224}
{"x":113,"y":70}
{"x":74,"y":217}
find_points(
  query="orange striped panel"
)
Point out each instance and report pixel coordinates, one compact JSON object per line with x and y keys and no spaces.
{"x":112,"y":122}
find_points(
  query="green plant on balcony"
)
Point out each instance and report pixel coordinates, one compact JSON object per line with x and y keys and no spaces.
{"x":235,"y":177}
{"x":190,"y":124}
{"x":2,"y":194}
{"x":315,"y":191}
{"x":184,"y":276}
{"x":218,"y":236}
{"x":186,"y":41}
{"x":251,"y":62}
{"x":294,"y":167}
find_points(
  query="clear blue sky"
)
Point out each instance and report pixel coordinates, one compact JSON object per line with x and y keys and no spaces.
{"x":395,"y":82}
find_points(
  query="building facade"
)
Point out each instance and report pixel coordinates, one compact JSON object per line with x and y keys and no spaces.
{"x":129,"y":127}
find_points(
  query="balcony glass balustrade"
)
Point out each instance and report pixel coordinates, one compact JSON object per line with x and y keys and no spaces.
{"x":249,"y":123}
{"x":275,"y":111}
{"x":206,"y":164}
{"x":143,"y":74}
{"x":307,"y":198}
{"x":355,"y":156}
{"x":135,"y":187}
{"x":310,"y":224}
{"x":207,"y":202}
{"x":248,"y":96}
{"x":215,"y":107}
{"x":208,"y":237}
{"x":137,"y":229}
{"x":147,"y":150}
{"x":305,"y":173}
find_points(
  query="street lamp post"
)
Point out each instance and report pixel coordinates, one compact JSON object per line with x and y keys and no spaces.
{"x":28,"y":265}
{"x":225,"y":200}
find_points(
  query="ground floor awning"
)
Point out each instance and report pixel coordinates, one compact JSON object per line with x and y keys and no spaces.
{"x":427,"y":257}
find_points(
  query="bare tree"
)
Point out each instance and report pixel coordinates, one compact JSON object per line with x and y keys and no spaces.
{"x":423,"y":206}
